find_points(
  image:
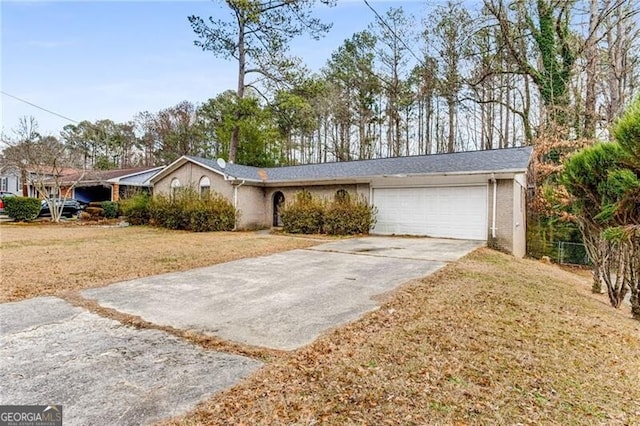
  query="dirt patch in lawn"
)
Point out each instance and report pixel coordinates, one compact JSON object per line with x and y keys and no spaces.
{"x":488,"y":340}
{"x":51,"y":259}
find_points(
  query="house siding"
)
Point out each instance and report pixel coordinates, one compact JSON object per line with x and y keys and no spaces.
{"x":189,"y":176}
{"x":519,"y":246}
{"x":505,"y":223}
{"x":251,"y":205}
{"x":10,"y":182}
{"x":322,"y":191}
{"x":250,"y":200}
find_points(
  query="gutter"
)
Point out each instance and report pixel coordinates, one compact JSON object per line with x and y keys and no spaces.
{"x":495,"y":202}
{"x":368,"y":178}
{"x":235,"y":201}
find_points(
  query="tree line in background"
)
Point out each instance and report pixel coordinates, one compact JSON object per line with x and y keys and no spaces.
{"x":455,"y":79}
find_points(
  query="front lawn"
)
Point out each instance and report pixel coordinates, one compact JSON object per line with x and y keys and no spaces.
{"x":48,"y":259}
{"x":488,"y":340}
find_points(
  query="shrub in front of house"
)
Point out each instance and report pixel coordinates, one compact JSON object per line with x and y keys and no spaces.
{"x":136,"y":209}
{"x":168,"y":213}
{"x":345,"y":216}
{"x":92,"y":213}
{"x":110,"y":209}
{"x":212,"y":213}
{"x":307,"y":214}
{"x":304,"y":215}
{"x":22,"y":209}
{"x":191,"y":211}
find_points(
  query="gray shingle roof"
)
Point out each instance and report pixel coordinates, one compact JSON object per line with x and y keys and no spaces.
{"x":140,"y":179}
{"x":498,"y":160}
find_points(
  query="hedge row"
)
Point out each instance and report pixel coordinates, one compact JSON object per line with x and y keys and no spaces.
{"x":187,"y":210}
{"x":341,"y":216}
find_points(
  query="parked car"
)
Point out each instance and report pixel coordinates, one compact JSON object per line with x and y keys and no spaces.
{"x":70,"y":208}
{"x":4,"y":195}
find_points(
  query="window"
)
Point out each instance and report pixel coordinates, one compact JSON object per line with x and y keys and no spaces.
{"x":4,"y":183}
{"x":342,"y":196}
{"x":205,"y":186}
{"x":175,"y":187}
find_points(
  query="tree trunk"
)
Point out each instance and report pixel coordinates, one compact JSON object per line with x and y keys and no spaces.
{"x":591,"y":53}
{"x":507,"y":97}
{"x":428,"y":132}
{"x":526,"y":110}
{"x":451,"y":142}
{"x":242,"y":64}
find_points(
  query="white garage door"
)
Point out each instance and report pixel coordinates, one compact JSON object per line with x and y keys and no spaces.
{"x":447,"y":212}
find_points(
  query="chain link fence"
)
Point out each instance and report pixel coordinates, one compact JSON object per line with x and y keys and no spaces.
{"x":569,"y":253}
{"x":562,"y":252}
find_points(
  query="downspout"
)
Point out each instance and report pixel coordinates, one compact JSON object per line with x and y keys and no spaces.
{"x":495,"y":202}
{"x":235,"y":203}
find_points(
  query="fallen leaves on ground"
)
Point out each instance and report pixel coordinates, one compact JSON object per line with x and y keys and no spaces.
{"x":488,"y":340}
{"x":40,"y":259}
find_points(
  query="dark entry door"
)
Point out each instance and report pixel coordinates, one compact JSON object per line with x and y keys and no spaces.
{"x":278,"y":202}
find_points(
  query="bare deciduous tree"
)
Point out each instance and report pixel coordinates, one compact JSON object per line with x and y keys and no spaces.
{"x":44,"y":163}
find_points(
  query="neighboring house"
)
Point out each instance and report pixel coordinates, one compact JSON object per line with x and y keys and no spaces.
{"x":479,"y":195}
{"x":126,"y":185}
{"x":10,"y":181}
{"x":107,"y":185}
{"x":23,"y":182}
{"x":84,"y":185}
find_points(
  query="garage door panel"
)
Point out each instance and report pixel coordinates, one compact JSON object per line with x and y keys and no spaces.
{"x":448,"y":212}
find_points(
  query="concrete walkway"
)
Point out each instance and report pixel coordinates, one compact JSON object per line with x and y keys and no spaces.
{"x":105,"y":373}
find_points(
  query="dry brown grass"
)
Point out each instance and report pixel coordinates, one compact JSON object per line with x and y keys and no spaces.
{"x":49,"y":259}
{"x":489,"y":340}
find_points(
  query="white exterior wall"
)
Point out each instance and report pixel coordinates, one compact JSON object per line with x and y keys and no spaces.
{"x":10,"y":182}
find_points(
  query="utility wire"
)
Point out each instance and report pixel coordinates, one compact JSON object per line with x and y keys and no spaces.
{"x":383,"y":22}
{"x":39,"y":107}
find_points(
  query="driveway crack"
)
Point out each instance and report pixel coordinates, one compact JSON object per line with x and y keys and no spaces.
{"x":370,"y":254}
{"x":204,"y":341}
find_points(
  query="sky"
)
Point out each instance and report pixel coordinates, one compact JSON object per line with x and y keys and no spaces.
{"x":92,"y":60}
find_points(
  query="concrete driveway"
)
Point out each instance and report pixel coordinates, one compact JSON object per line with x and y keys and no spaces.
{"x":101,"y":372}
{"x":285,"y":300}
{"x":106,"y":373}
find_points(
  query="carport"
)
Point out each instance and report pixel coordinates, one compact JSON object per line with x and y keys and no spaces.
{"x":96,"y":192}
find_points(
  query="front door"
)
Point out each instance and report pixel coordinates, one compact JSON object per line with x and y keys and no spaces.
{"x":278,"y":202}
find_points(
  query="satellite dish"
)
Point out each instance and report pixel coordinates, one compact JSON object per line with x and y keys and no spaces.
{"x":221,"y":163}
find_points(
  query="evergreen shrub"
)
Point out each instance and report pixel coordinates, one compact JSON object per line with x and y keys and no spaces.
{"x":22,"y":209}
{"x":342,"y":216}
{"x":136,"y":209}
